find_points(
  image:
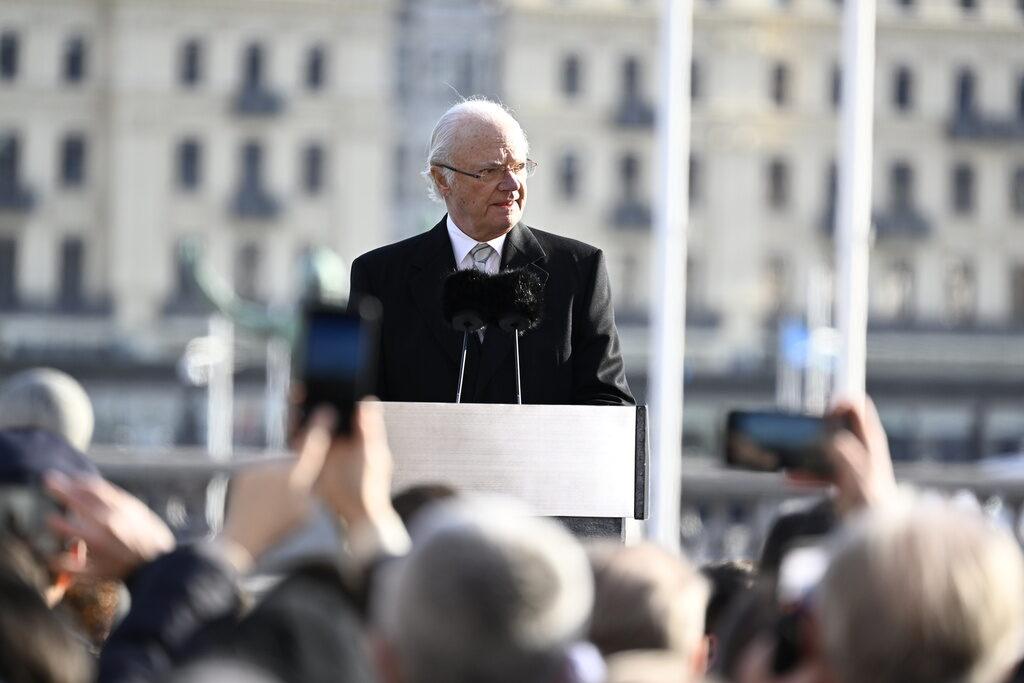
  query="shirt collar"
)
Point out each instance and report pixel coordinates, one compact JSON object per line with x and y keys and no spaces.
{"x":463,"y":243}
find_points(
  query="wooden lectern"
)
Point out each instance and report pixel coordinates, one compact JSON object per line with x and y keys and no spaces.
{"x":586,"y":465}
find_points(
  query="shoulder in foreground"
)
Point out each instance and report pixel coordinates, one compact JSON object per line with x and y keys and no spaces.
{"x":550,"y":240}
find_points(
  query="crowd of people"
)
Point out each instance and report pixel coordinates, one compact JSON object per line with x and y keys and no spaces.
{"x":876,"y":585}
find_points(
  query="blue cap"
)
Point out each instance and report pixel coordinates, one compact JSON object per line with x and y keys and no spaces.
{"x":27,"y":454}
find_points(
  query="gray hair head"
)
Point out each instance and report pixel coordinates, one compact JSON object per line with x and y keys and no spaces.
{"x":445,"y":134}
{"x":922,"y":591}
{"x":488,"y":593}
{"x":48,"y":399}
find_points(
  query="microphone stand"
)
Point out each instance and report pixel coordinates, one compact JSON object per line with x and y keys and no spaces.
{"x":462,"y":366}
{"x":465,"y":322}
{"x":519,"y":386}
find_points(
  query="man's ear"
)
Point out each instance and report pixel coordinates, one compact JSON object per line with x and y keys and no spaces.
{"x":440,"y":181}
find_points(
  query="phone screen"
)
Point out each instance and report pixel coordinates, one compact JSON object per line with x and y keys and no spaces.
{"x":770,"y":441}
{"x":337,"y":359}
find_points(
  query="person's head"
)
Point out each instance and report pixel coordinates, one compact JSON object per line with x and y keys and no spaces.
{"x":921,"y":591}
{"x":729,"y":579}
{"x":479,"y":138}
{"x":48,"y":399}
{"x":488,"y":593}
{"x":27,"y":546}
{"x":648,"y":599}
{"x":409,"y":502}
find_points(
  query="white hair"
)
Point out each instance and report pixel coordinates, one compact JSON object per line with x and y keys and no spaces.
{"x":922,"y":591}
{"x":445,"y":134}
{"x":488,"y":593}
{"x":48,"y":399}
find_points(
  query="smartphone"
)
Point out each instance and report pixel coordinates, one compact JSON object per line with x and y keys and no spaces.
{"x":770,"y":441}
{"x":336,"y":358}
{"x":25,"y":508}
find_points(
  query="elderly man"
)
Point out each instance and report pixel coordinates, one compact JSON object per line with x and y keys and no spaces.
{"x":478,"y":167}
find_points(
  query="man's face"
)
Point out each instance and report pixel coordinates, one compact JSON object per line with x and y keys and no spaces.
{"x":485,"y":209}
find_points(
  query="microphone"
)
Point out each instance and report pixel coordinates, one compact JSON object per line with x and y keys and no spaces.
{"x":465,"y":297}
{"x":518,"y":307}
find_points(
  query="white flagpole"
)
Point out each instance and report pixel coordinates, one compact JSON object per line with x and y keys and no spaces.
{"x":853,"y":206}
{"x":668,"y":300}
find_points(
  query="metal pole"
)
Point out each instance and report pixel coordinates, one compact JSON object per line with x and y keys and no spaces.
{"x":665,"y":374}
{"x":853,"y":206}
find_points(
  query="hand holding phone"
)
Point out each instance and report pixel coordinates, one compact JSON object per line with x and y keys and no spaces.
{"x":336,"y":359}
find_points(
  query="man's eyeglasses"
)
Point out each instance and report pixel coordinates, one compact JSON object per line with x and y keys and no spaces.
{"x":523,"y":169}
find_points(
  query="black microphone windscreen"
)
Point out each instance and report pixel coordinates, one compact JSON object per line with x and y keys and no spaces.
{"x":519,"y":299}
{"x":466,"y":293}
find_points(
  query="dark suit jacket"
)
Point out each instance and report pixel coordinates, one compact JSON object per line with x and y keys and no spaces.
{"x":572,"y":357}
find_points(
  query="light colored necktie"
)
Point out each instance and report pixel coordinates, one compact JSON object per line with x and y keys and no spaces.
{"x":480,"y":253}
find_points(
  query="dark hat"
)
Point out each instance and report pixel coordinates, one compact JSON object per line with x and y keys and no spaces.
{"x":27,"y":454}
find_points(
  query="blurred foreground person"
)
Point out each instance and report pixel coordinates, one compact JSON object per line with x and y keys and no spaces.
{"x":37,"y":567}
{"x":487,"y":594}
{"x":648,"y":599}
{"x":921,"y":591}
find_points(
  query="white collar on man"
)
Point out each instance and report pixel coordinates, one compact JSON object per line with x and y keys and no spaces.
{"x":463,"y":243}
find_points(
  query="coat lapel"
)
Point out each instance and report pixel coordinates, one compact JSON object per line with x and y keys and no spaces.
{"x":433,"y":263}
{"x":521,"y":250}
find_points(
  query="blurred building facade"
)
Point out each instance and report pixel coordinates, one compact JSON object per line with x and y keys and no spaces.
{"x":267,"y":126}
{"x":259,"y":128}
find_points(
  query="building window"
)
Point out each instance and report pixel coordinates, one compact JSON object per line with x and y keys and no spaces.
{"x":569,"y":176}
{"x":247,"y":271}
{"x":8,"y":56}
{"x":252,"y":165}
{"x":1016,"y":292}
{"x":631,"y":78}
{"x":903,"y":89}
{"x":780,"y":84}
{"x":72,"y":252}
{"x":965,"y":86}
{"x":896,"y":294}
{"x":696,"y":296}
{"x":1020,"y":96}
{"x":776,"y":285}
{"x":696,"y":80}
{"x":837,"y":86}
{"x":961,"y":293}
{"x":190,"y":67}
{"x":186,"y":289}
{"x":968,"y":5}
{"x":313,"y":169}
{"x":190,"y":161}
{"x":905,"y":4}
{"x":629,"y":173}
{"x":778,"y":184}
{"x":696,"y":178}
{"x":253,"y":66}
{"x":1017,"y":191}
{"x":8,"y":272}
{"x":963,"y":188}
{"x":901,"y":185}
{"x":72,"y":161}
{"x":75,"y":60}
{"x":10,"y":162}
{"x":315,"y":68}
{"x":571,"y":75}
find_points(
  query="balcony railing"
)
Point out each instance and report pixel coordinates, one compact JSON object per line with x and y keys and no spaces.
{"x":895,"y":222}
{"x":634,"y":113}
{"x":974,"y":126}
{"x":252,"y":202}
{"x":15,"y":197}
{"x":632,"y":214}
{"x":257,"y":100}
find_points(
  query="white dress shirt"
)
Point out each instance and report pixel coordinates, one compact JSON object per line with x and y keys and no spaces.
{"x":462,"y":244}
